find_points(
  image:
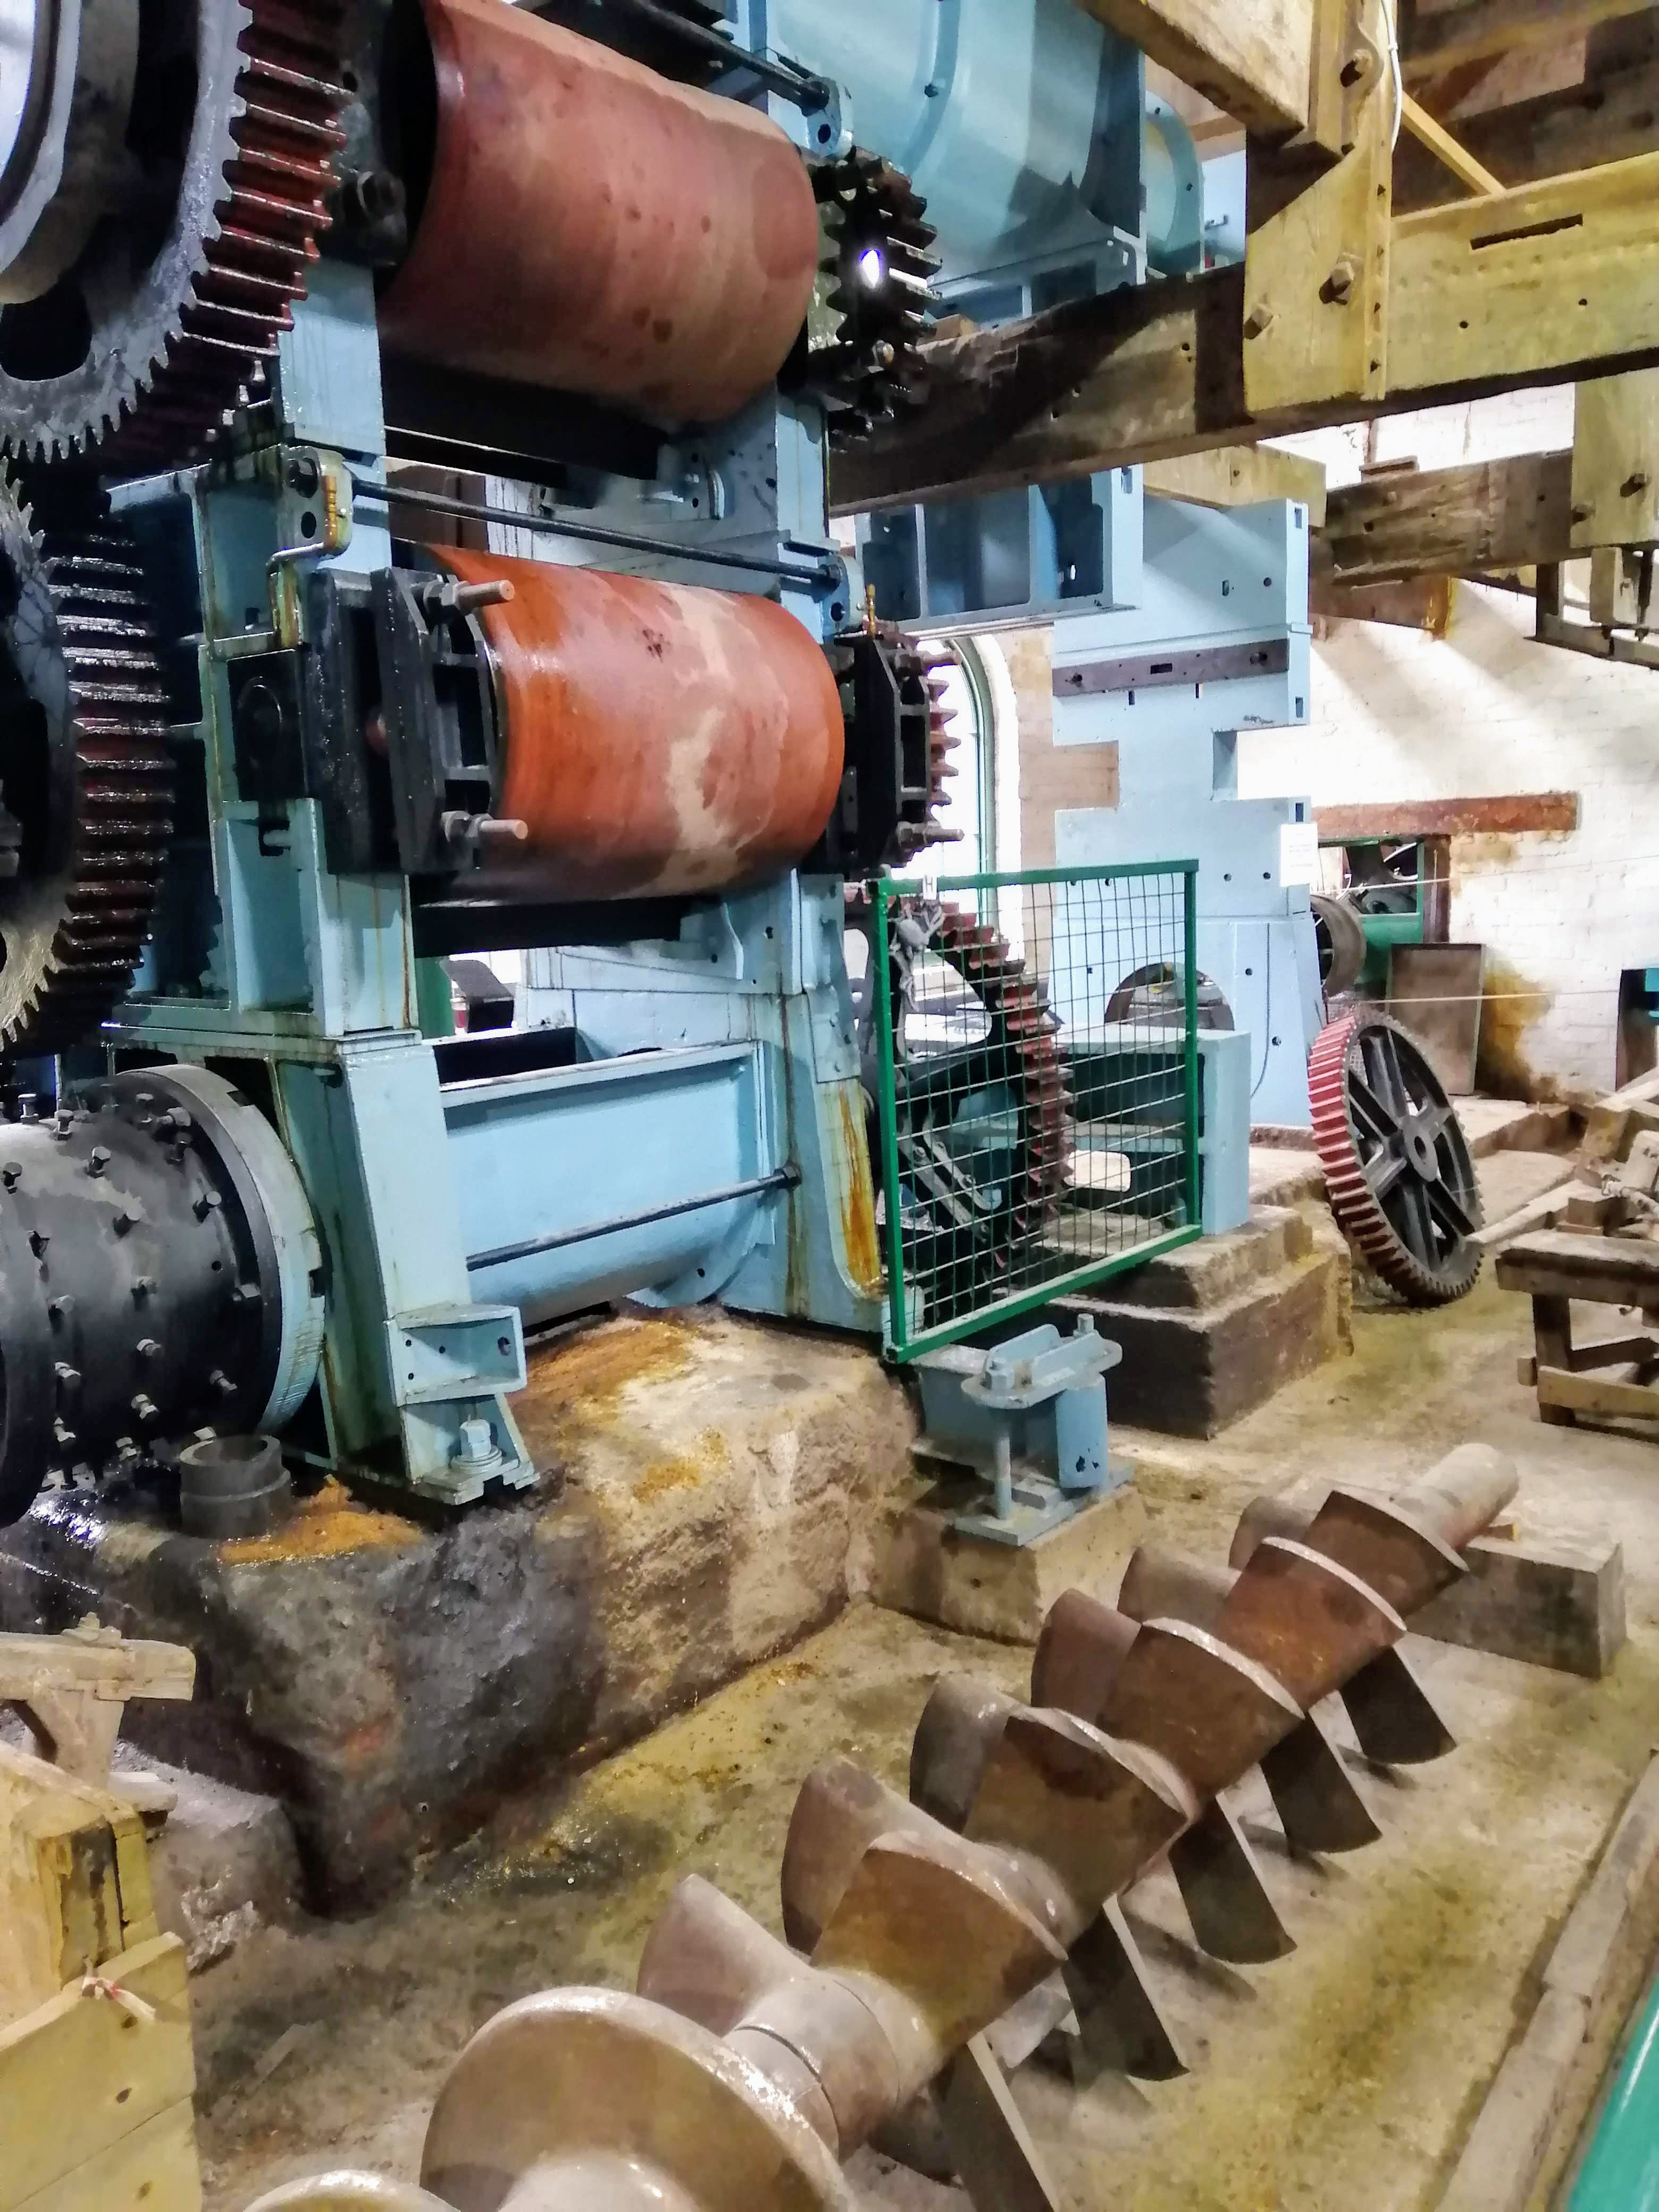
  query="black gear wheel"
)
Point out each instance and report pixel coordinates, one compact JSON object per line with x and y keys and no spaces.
{"x":870,"y":307}
{"x":1398,"y":1170}
{"x":140,"y":351}
{"x":86,"y":776}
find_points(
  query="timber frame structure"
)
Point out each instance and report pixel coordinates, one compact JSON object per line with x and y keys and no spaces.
{"x":1356,"y":299}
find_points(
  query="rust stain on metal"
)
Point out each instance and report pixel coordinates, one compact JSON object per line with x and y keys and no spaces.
{"x":590,"y":226}
{"x":857,"y":1190}
{"x":1553,"y":813}
{"x":322,"y":1527}
{"x":661,"y":741}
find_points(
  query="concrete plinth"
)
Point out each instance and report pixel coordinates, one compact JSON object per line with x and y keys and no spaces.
{"x":708,"y":1487}
{"x":926,"y":1567}
{"x":1212,"y":1331}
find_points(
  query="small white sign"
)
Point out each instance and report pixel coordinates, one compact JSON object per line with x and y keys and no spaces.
{"x":1298,"y":854}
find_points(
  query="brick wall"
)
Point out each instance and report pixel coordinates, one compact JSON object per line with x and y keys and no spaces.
{"x":1397,"y":714}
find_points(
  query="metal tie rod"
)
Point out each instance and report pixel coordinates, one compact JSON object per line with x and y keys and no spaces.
{"x":593,"y":533}
{"x":795,"y":84}
{"x":785,"y":1179}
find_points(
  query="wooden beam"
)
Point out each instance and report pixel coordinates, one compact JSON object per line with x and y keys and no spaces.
{"x":1452,"y":36}
{"x":1421,"y":602}
{"x":1548,"y":285}
{"x":1550,"y":813}
{"x":1615,"y":463}
{"x":1456,"y":522}
{"x":1252,"y":58}
{"x":1241,"y":475}
{"x":1447,"y":152}
{"x":1593,"y":123}
{"x":1520,"y":286}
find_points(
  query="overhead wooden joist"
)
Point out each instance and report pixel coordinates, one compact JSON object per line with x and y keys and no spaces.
{"x":1602,"y":120}
{"x":1254,"y":58}
{"x":1451,"y":522}
{"x":1483,"y":30}
{"x":1549,"y":284}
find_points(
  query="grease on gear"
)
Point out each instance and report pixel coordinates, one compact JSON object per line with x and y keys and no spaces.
{"x":1402,"y":1181}
{"x":141,"y":349}
{"x":871,"y":307}
{"x":87,"y":776}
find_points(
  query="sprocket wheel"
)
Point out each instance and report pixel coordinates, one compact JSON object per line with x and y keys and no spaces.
{"x":870,"y":309}
{"x":1399,"y":1175}
{"x":140,"y":350}
{"x":86,"y":776}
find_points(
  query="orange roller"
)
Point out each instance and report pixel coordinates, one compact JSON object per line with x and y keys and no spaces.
{"x":592,"y":226}
{"x":660,"y":741}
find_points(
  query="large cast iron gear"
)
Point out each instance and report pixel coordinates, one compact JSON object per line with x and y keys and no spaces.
{"x":160,"y":326}
{"x":870,"y":308}
{"x":980,"y":1199}
{"x":86,"y":776}
{"x":1400,"y":1179}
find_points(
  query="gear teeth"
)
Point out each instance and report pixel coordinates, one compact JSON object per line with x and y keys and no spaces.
{"x":277,"y":141}
{"x":71,"y":960}
{"x":864,"y":346}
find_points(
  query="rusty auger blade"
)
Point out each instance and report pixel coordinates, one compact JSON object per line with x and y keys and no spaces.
{"x":934,"y":1939}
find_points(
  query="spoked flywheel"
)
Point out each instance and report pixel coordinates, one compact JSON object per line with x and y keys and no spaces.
{"x":1402,"y":1181}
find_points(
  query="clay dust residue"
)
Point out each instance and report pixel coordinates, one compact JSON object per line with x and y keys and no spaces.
{"x":322,"y":1527}
{"x":683,"y":1471}
{"x":587,"y":1376}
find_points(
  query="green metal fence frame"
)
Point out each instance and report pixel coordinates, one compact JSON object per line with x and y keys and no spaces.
{"x":886,"y":892}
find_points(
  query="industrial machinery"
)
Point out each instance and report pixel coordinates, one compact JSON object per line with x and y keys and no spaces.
{"x":746,"y":2071}
{"x":284,"y":728}
{"x":416,"y":543}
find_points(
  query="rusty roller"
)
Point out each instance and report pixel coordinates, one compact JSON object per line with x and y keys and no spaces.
{"x":933,"y":1939}
{"x":586,"y":225}
{"x":660,"y":740}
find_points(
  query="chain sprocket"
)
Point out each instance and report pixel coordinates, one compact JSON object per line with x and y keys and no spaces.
{"x":86,"y":775}
{"x":1398,"y":1170}
{"x":871,"y":306}
{"x":138,"y":353}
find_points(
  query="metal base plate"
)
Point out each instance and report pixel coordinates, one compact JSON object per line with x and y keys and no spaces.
{"x":1040,"y":1505}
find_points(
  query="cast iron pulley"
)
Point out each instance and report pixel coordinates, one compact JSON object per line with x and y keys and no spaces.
{"x":162,"y":219}
{"x":1399,"y":1175}
{"x":872,"y":303}
{"x":86,"y":775}
{"x":1341,"y":936}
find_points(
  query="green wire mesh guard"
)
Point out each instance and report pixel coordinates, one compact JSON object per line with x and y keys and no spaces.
{"x":1035,"y":1042}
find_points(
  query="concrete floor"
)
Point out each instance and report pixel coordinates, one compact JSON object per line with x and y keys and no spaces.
{"x":1344,"y":2076}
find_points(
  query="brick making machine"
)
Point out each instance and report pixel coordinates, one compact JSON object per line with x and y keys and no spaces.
{"x":415,"y":542}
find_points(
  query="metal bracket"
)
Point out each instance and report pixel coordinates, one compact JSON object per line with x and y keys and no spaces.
{"x":1149,"y":672}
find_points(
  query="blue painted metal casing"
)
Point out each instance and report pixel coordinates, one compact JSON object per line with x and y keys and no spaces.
{"x":1221,"y":586}
{"x":1029,"y":1415}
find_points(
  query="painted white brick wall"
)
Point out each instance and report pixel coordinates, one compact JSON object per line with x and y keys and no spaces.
{"x":1396,"y":714}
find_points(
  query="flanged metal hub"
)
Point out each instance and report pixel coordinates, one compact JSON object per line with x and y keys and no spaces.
{"x":159,"y":1274}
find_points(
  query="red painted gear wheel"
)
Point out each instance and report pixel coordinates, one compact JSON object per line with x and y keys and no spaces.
{"x":1399,"y":1175}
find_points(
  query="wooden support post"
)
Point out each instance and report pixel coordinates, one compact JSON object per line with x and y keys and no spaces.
{"x":1454,"y":522}
{"x":72,"y":1690}
{"x":1615,"y":462}
{"x":1316,"y":258}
